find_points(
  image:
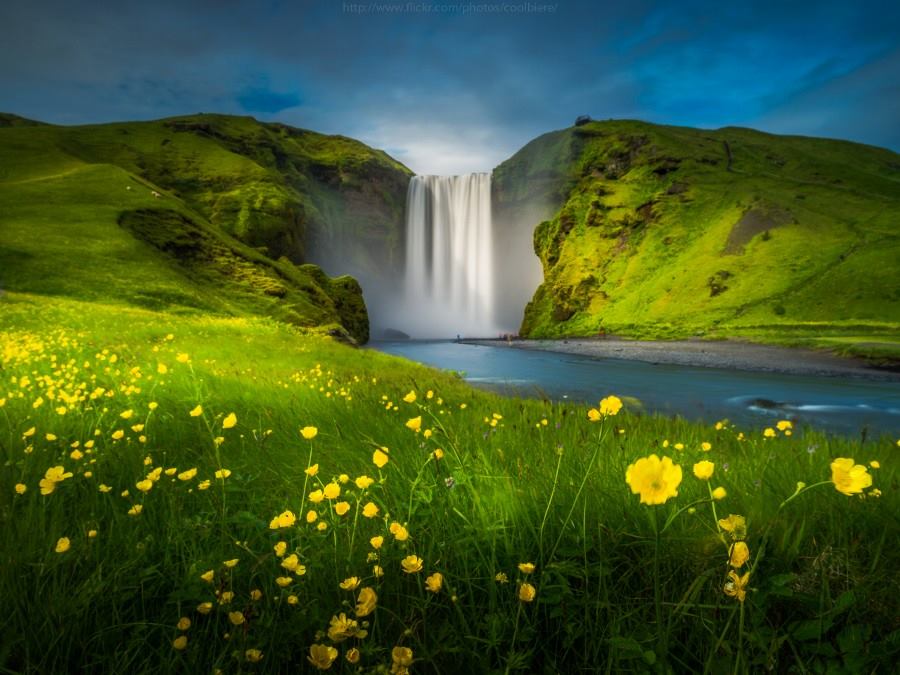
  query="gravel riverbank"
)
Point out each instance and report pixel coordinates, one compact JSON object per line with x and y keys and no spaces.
{"x":708,"y":354}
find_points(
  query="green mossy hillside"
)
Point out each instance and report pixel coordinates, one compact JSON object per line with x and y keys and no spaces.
{"x":207,"y":212}
{"x":657,"y":231}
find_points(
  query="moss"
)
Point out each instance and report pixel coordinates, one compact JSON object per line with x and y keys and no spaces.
{"x":649,"y":216}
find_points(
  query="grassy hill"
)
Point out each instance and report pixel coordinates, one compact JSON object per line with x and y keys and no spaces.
{"x":208,"y":212}
{"x":657,"y":231}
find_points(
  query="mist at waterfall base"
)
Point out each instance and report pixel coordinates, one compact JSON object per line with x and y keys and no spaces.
{"x":461,"y":275}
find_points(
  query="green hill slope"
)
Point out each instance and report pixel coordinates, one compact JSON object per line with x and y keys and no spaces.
{"x":671,"y":232}
{"x":239,"y":203}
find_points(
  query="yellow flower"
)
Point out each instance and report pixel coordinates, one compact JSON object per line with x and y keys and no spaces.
{"x":610,"y":405}
{"x":208,"y":576}
{"x":352,"y":655}
{"x":229,"y":421}
{"x":153,"y":405}
{"x":144,"y":485}
{"x":196,"y":412}
{"x":769,"y":432}
{"x":784,"y":425}
{"x":322,"y":526}
{"x":740,"y":554}
{"x":118,"y":434}
{"x":284,"y":582}
{"x":205,"y":607}
{"x":341,"y":627}
{"x":135,"y":510}
{"x":92,"y":534}
{"x":183,"y":623}
{"x":309,"y":433}
{"x":594,"y":415}
{"x":400,"y":533}
{"x":253,"y":655}
{"x":231,"y":563}
{"x":322,"y":656}
{"x":182,"y":358}
{"x":527,"y":592}
{"x":180,"y":642}
{"x":316,"y":496}
{"x":411,"y":564}
{"x":332,"y":491}
{"x":312,"y":470}
{"x":21,"y":488}
{"x":104,"y":488}
{"x":237,"y":618}
{"x":62,"y":545}
{"x":434,"y":582}
{"x":706,"y":447}
{"x":285,"y":519}
{"x":365,"y":602}
{"x":222,"y":474}
{"x":187,"y":475}
{"x":849,"y":478}
{"x":343,"y":479}
{"x":526,"y":568}
{"x":363,"y":482}
{"x":704,"y":470}
{"x":161,"y":368}
{"x":380,"y":457}
{"x":376,"y":542}
{"x":427,"y":433}
{"x":341,"y":508}
{"x":378,"y":571}
{"x":653,"y":479}
{"x":350,"y":583}
{"x":438,"y":454}
{"x":53,"y":475}
{"x":255,"y":594}
{"x":311,"y":516}
{"x":875,"y":464}
{"x":501,"y":578}
{"x":736,"y":587}
{"x":291,"y":563}
{"x":127,"y":414}
{"x":370,"y":510}
{"x":736,"y":526}
{"x":719,"y":493}
{"x":402,"y":658}
{"x":415,"y":423}
{"x":410,"y":397}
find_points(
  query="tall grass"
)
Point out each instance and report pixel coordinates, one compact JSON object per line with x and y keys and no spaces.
{"x":620,"y":586}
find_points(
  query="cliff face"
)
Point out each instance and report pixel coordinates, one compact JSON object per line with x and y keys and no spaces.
{"x":664,"y":231}
{"x":241,"y":205}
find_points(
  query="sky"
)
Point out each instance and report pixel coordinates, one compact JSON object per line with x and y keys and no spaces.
{"x":453,"y":87}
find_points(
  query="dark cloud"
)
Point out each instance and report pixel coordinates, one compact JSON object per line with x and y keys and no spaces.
{"x":458,"y":89}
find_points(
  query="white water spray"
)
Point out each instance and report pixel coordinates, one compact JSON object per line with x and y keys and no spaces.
{"x":449,"y":278}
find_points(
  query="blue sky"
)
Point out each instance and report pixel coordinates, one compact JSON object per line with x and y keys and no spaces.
{"x":451,"y":87}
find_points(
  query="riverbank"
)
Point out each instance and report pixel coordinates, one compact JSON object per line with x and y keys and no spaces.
{"x":726,"y":354}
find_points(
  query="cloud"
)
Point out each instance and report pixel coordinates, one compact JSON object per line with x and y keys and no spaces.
{"x":447,"y":92}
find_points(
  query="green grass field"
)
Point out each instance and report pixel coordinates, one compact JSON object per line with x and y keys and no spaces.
{"x":158,"y":547}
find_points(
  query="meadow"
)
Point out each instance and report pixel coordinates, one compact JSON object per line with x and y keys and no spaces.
{"x":186,"y":493}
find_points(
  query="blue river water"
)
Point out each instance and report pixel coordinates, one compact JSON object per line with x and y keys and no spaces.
{"x":843,"y":405}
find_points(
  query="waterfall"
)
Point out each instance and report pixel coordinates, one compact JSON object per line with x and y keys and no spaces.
{"x":449,"y":276}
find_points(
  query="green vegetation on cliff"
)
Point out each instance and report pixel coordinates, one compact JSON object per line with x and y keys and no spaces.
{"x":671,"y":232}
{"x":208,"y":212}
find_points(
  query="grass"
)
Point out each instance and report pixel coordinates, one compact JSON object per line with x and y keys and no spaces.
{"x":78,"y":219}
{"x":619,"y":586}
{"x":673,"y":232}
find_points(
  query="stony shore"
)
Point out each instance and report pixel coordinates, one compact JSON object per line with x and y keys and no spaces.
{"x":709,"y":354}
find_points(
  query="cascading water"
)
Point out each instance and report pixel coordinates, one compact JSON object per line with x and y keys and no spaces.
{"x":449,"y":278}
